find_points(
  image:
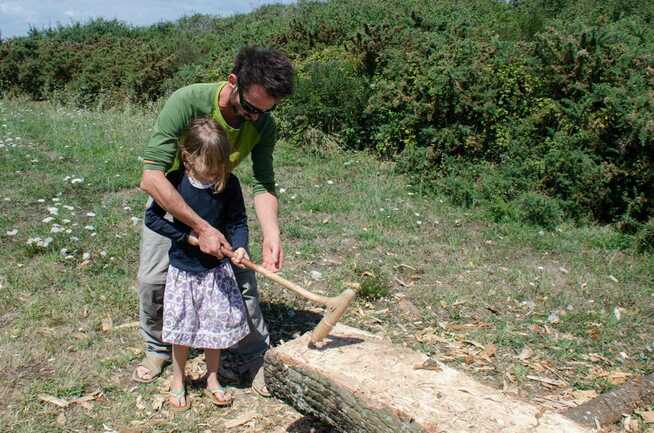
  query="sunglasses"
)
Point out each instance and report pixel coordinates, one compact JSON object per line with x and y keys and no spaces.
{"x":249,"y":107}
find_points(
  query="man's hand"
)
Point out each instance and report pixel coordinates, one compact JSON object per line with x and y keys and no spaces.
{"x":210,"y":241}
{"x":238,"y":256}
{"x":273,"y":255}
{"x":265,"y":204}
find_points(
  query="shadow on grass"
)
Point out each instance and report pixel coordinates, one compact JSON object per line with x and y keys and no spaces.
{"x":286,"y":323}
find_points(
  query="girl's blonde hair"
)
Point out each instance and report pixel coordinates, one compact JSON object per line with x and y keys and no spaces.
{"x":205,"y":150}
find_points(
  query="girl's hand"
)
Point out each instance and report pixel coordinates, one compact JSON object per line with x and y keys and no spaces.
{"x":238,"y":256}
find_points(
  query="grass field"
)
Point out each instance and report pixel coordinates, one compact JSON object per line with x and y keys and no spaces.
{"x":545,"y":314}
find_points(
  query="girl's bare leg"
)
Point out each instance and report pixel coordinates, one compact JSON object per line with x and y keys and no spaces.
{"x":179,"y":363}
{"x":212,"y":358}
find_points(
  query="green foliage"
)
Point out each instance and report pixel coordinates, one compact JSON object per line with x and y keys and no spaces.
{"x":373,"y":287}
{"x":536,"y":110}
{"x":538,"y":209}
{"x":644,"y":241}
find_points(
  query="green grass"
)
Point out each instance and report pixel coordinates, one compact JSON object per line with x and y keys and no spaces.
{"x":342,"y":214}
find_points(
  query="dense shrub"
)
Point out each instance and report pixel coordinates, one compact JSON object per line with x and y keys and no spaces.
{"x":536,"y":110}
{"x":644,"y":241}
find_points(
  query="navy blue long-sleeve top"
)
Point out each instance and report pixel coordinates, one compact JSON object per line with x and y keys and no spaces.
{"x":224,"y":210}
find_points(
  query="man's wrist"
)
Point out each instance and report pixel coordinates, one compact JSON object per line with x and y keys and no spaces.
{"x":271,"y":235}
{"x":203,"y":227}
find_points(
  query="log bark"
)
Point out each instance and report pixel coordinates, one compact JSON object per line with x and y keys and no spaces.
{"x":360,"y":383}
{"x":609,"y":407}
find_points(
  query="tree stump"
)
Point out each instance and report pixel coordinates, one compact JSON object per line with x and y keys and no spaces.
{"x":360,"y":383}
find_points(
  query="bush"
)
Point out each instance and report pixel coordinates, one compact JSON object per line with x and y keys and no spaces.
{"x":329,"y":96}
{"x":536,"y":110}
{"x":374,"y":285}
{"x":539,"y":210}
{"x":644,"y":239}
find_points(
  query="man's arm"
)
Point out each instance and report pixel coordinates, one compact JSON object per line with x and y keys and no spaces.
{"x":266,"y":205}
{"x":155,"y":183}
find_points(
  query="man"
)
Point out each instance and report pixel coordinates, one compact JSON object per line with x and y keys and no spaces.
{"x":241,"y":105}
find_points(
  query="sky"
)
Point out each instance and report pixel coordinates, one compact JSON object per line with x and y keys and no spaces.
{"x":16,"y":16}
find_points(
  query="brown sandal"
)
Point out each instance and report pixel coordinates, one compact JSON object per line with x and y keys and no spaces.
{"x":154,"y":364}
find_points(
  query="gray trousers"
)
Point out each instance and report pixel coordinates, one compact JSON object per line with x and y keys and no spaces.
{"x":245,"y":357}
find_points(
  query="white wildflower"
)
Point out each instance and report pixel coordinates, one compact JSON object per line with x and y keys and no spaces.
{"x":135,"y":220}
{"x":77,"y":180}
{"x":12,"y":232}
{"x":90,"y":228}
{"x":86,"y":256}
{"x":68,"y":207}
{"x":90,"y":214}
{"x":47,"y":220}
{"x":56,"y":228}
{"x":53,"y":210}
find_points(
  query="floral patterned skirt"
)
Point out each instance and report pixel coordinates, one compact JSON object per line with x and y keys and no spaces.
{"x":203,"y":310}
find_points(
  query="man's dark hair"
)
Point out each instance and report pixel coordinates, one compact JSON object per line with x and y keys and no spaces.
{"x":266,"y":67}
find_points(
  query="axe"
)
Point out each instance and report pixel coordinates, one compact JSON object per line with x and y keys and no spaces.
{"x":336,"y":305}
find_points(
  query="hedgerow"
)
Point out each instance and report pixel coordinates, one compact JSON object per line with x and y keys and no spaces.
{"x":535,"y":110}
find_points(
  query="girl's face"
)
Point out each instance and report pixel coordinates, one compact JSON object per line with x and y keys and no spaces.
{"x":198,"y":174}
{"x":204,"y":177}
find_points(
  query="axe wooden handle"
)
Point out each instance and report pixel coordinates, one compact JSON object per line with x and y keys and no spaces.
{"x":271,"y":275}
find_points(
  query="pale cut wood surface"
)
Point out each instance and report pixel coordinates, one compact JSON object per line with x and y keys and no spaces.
{"x":360,"y":383}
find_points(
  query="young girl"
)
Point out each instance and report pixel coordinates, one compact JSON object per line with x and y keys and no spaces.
{"x":203,"y":307}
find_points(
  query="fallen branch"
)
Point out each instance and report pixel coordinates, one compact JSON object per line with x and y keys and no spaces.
{"x":609,"y":407}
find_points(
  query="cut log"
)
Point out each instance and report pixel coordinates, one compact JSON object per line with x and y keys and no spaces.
{"x":360,"y":383}
{"x":608,"y":408}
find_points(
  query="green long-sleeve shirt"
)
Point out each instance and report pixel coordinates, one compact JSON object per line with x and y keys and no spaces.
{"x":198,"y":100}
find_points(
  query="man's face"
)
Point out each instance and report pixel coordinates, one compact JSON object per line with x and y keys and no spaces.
{"x":250,"y":103}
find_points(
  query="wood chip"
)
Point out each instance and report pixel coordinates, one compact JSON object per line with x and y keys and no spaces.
{"x":488,"y":352}
{"x":428,"y":364}
{"x":53,"y":400}
{"x":408,"y":308}
{"x":547,"y":380}
{"x":618,"y":377}
{"x":474,"y":343}
{"x":127,"y":325}
{"x":89,"y":397}
{"x":157,"y":402}
{"x":243,"y":419}
{"x":582,"y":396}
{"x":526,"y":353}
{"x":107,"y":325}
{"x":647,"y":416}
{"x":61,"y":419}
{"x":402,"y":283}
